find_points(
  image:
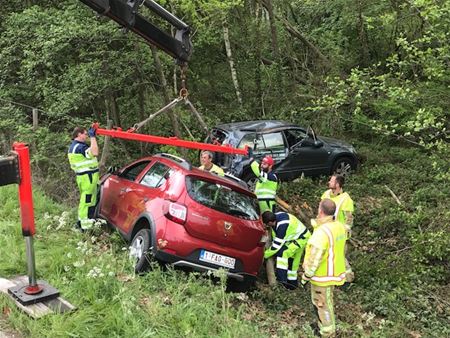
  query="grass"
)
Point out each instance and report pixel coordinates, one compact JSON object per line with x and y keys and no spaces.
{"x":401,"y":262}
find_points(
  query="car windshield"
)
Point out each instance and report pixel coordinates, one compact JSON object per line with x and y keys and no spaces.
{"x":222,"y":198}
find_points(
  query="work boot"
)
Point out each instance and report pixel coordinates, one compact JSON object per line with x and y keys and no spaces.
{"x":78,"y":227}
{"x":346,"y":286}
{"x":315,"y":329}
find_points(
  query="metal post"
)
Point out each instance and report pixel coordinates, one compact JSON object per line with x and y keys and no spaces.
{"x":35,"y":119}
{"x":33,"y":286}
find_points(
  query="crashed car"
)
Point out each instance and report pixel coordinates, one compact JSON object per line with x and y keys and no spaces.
{"x":171,"y":212}
{"x":296,"y":150}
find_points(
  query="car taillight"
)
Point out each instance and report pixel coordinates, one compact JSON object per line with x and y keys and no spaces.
{"x":176,"y":212}
{"x":263,"y":240}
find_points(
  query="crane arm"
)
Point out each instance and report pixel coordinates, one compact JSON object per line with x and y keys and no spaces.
{"x":125,"y":13}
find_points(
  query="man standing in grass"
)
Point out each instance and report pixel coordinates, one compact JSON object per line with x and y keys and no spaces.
{"x":344,"y":213}
{"x":83,"y":160}
{"x":324,"y":264}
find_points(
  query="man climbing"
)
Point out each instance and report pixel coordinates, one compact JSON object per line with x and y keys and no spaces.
{"x":267,"y":184}
{"x":208,"y":165}
{"x":289,"y":240}
{"x":324,"y":264}
{"x":343,"y":213}
{"x":83,"y":160}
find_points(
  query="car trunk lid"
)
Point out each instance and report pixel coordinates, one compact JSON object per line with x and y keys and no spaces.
{"x":222,"y":213}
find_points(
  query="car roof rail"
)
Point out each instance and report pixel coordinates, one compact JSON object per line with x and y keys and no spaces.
{"x":179,"y":160}
{"x":236,"y":179}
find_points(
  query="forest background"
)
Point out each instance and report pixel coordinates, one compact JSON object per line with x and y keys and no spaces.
{"x":373,"y":73}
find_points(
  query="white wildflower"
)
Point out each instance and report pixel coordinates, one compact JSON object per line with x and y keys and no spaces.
{"x":79,"y":264}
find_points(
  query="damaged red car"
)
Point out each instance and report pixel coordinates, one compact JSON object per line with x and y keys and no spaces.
{"x":174,"y":213}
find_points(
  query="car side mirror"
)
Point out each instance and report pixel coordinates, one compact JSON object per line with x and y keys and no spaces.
{"x":318,"y":144}
{"x":307,"y":142}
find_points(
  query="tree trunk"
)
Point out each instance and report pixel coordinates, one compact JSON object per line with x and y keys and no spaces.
{"x":164,"y":88}
{"x":259,"y":105}
{"x":112,"y":105}
{"x":273,"y":29}
{"x":141,"y":113}
{"x":226,"y":38}
{"x":270,"y":262}
{"x":362,"y":35}
{"x":106,"y":147}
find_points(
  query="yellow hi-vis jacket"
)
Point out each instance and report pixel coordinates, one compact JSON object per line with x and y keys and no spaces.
{"x":324,"y":257}
{"x":343,"y":203}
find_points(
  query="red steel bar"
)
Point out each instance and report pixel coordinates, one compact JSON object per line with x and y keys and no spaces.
{"x":25,"y":192}
{"x":173,"y":141}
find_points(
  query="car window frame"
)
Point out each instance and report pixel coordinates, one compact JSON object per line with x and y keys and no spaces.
{"x":158,"y":184}
{"x":132,"y":166}
{"x":299,"y":142}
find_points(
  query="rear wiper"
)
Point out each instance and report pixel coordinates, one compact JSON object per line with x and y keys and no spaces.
{"x":236,"y":212}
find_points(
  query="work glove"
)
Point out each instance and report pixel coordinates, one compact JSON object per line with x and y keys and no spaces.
{"x":304,"y":281}
{"x":91,"y":132}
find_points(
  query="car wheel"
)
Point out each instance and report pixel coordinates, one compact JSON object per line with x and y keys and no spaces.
{"x":251,"y":180}
{"x":140,"y":250}
{"x":343,"y":166}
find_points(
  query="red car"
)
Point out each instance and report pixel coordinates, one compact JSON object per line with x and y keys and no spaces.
{"x":179,"y":214}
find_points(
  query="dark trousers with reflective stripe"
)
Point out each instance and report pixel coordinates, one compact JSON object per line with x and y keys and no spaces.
{"x":88,"y":185}
{"x":288,"y":261}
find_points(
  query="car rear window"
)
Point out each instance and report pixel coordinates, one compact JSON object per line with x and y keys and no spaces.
{"x":222,"y":198}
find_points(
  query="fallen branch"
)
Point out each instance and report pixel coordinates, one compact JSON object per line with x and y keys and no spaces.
{"x":393,"y":195}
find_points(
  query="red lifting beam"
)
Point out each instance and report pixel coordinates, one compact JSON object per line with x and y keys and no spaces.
{"x":25,"y":191}
{"x":172,"y":141}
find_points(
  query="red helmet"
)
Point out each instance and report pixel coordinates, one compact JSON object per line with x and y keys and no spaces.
{"x":268,"y":160}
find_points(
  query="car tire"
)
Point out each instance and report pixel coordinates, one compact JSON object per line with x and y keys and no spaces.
{"x":343,"y":166}
{"x":140,"y":250}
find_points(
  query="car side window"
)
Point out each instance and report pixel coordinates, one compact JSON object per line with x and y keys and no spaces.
{"x":133,"y":171}
{"x":294,"y":136}
{"x":157,"y":175}
{"x":249,"y":139}
{"x":273,"y":141}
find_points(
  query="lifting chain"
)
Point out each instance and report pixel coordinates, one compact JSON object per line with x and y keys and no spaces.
{"x":183,"y":91}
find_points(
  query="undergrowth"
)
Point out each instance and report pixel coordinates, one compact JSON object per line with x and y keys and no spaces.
{"x":399,"y":252}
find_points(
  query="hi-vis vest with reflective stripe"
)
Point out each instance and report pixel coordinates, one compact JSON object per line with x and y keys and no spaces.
{"x":265,"y":189}
{"x":339,"y":200}
{"x":81,"y":163}
{"x":290,"y":226}
{"x":331,"y":270}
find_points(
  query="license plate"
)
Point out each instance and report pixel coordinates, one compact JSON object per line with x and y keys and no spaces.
{"x":222,"y":260}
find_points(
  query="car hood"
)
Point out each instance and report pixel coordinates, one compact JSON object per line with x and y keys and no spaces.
{"x":335,"y":143}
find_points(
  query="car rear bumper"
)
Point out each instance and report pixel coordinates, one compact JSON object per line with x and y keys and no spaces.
{"x":185,"y":248}
{"x":196,"y":265}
